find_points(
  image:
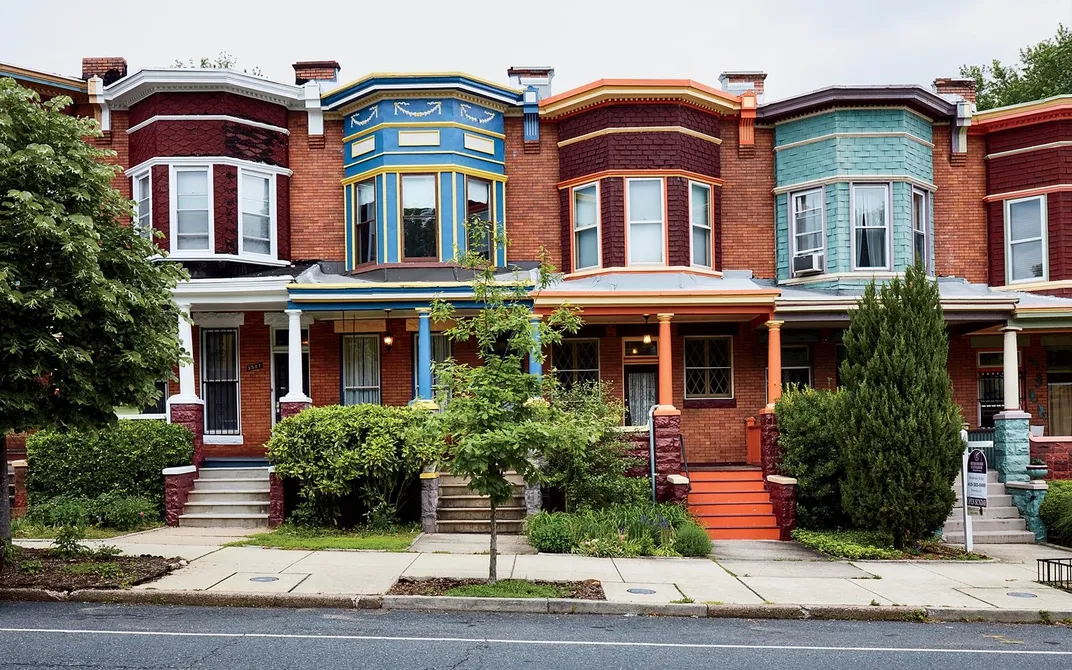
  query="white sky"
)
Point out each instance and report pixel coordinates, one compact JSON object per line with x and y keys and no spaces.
{"x":803,"y":44}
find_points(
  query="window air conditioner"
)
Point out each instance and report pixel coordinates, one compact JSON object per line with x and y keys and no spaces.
{"x":807,"y":264}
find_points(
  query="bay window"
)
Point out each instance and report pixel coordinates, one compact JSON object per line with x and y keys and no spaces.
{"x":586,"y":227}
{"x":919,"y":229}
{"x":871,"y":226}
{"x":1025,"y":239}
{"x":143,"y":219}
{"x":365,"y":229}
{"x":419,"y":217}
{"x":192,"y":209}
{"x":700,"y":224}
{"x":255,"y":195}
{"x":644,"y":212}
{"x":478,"y":204}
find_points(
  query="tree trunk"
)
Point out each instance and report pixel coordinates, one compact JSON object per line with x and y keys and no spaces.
{"x":5,"y":491}
{"x":493,"y":567}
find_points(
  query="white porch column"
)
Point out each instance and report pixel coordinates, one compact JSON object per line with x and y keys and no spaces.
{"x":1011,"y":369}
{"x":187,"y":389}
{"x":295,"y":393}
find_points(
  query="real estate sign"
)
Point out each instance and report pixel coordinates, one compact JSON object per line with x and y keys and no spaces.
{"x":975,"y":495}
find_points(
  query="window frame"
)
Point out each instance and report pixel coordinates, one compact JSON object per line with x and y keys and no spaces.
{"x":924,"y":230}
{"x":574,"y":230}
{"x":372,"y":223}
{"x":629,"y":223}
{"x":230,"y":437}
{"x":710,"y":227}
{"x":490,"y":214}
{"x":135,"y":191}
{"x":1043,"y":238}
{"x":273,"y":235}
{"x":402,"y":217}
{"x":685,"y":368}
{"x":173,"y":227}
{"x":379,"y":368}
{"x":810,"y":367}
{"x":572,"y":342}
{"x":794,"y":250}
{"x":888,"y":186}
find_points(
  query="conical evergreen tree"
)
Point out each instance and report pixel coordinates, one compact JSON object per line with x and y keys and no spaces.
{"x":902,"y":446}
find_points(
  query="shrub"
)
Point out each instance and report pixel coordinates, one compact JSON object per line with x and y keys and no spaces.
{"x":62,"y":511}
{"x":375,"y":450}
{"x":1056,"y":511}
{"x":550,"y":533}
{"x":124,"y":512}
{"x":808,"y":423}
{"x":853,"y":545}
{"x":111,"y":510}
{"x":619,"y":530}
{"x":692,"y":541}
{"x":126,"y":457}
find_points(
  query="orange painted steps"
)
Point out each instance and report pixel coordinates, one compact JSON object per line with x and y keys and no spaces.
{"x":733,"y":505}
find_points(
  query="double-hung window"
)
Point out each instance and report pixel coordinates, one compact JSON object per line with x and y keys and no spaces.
{"x":700,"y":224}
{"x":193,"y":220}
{"x":919,"y":229}
{"x":419,"y":219}
{"x":576,"y":361}
{"x":219,"y":380}
{"x":360,"y":369}
{"x":143,"y":221}
{"x":256,"y":198}
{"x":709,"y":367}
{"x":796,"y":365}
{"x":871,"y":226}
{"x":1025,"y":239}
{"x":644,"y":211}
{"x":586,"y":227}
{"x":478,"y":204}
{"x":807,"y":222}
{"x":365,"y":229}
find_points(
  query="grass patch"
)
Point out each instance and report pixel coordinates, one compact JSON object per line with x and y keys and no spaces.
{"x":289,"y":536}
{"x":24,"y":529}
{"x":509,"y":588}
{"x":863,"y":545}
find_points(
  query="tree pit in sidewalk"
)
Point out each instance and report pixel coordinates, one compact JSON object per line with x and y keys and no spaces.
{"x":45,"y":569}
{"x":589,"y":589}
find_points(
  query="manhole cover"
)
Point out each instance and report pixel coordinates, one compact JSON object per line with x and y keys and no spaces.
{"x":1021,"y":594}
{"x":264,"y":579}
{"x":642,"y":592}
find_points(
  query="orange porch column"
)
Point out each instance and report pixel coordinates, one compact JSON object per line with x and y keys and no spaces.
{"x":774,"y":362}
{"x":666,"y":367}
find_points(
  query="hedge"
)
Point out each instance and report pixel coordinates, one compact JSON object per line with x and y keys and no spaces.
{"x":1056,"y":511}
{"x":126,"y":457}
{"x":808,"y":425}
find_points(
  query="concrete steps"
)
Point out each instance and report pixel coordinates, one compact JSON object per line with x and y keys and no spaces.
{"x":228,"y":497}
{"x":462,"y":510}
{"x":998,"y":523}
{"x":732,"y":505}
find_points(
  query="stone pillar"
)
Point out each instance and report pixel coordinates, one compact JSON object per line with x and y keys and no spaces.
{"x":1011,"y":369}
{"x":668,"y":454}
{"x":296,"y":399}
{"x":18,"y":474}
{"x":276,"y":499}
{"x":533,"y":498}
{"x":186,"y":408}
{"x":191,"y":415}
{"x":666,"y":366}
{"x":424,"y":354}
{"x":1028,"y":497}
{"x":783,"y":495}
{"x":178,"y":482}
{"x":535,"y":366}
{"x":770,"y":451}
{"x":774,"y":362}
{"x":1012,"y":432}
{"x":429,"y":501}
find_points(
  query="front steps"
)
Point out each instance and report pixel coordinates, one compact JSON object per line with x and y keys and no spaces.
{"x":462,"y":510}
{"x":732,"y":504}
{"x":236,"y":496}
{"x":999,"y":523}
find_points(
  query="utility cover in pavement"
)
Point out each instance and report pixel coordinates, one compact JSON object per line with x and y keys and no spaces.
{"x":1021,"y":594}
{"x":264,"y":579}
{"x":641,"y":592}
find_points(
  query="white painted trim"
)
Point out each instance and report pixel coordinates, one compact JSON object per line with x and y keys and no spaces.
{"x":662,"y":229}
{"x":1035,"y":286}
{"x":218,"y":319}
{"x":418,"y":138}
{"x":861,"y":274}
{"x":1044,"y":239}
{"x":927,"y":269}
{"x":201,"y":161}
{"x":306,"y":323}
{"x":180,"y":470}
{"x":273,"y":231}
{"x":791,"y":229}
{"x":225,"y":439}
{"x":255,"y":259}
{"x":1024,"y":150}
{"x":147,"y":172}
{"x":598,"y":227}
{"x":173,"y":219}
{"x":889,"y":226}
{"x":140,"y":85}
{"x":710,"y":225}
{"x":837,"y":108}
{"x":478,"y":143}
{"x":340,"y":106}
{"x":206,"y":117}
{"x":849,"y":178}
{"x":835,"y":136}
{"x":363,"y":146}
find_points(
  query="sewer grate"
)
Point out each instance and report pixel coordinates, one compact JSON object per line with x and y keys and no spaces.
{"x":264,"y":579}
{"x":642,"y":592}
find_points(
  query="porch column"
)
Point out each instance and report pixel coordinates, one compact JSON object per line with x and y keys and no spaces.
{"x":424,"y":354}
{"x":186,"y":408}
{"x":1011,"y":369}
{"x":535,"y":366}
{"x":774,"y":362}
{"x":1012,"y":443}
{"x":296,"y":394}
{"x":666,"y":366}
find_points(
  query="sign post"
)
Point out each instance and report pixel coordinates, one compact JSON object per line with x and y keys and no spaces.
{"x":973,"y":476}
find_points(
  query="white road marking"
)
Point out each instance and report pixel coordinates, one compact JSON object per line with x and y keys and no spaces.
{"x":565,"y":643}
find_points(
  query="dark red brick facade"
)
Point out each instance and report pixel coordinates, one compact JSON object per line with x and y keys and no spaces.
{"x":228,"y":104}
{"x":208,"y":138}
{"x":225,"y":208}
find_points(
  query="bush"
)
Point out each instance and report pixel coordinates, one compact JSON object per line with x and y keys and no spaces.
{"x":851,"y":544}
{"x":619,"y":530}
{"x":1056,"y":512}
{"x":127,"y":458}
{"x":808,"y":423}
{"x":550,"y":534}
{"x":692,"y":541}
{"x":124,"y":512}
{"x":374,"y":450}
{"x":111,"y":510}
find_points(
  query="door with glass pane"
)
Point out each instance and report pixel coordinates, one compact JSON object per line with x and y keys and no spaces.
{"x":219,"y":380}
{"x":641,"y":393}
{"x":360,"y":369}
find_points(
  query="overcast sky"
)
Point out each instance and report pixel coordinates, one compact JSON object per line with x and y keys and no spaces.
{"x":803,"y":45}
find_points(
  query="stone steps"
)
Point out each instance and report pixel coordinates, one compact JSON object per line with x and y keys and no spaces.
{"x":228,"y":497}
{"x":992,"y":537}
{"x":462,"y":510}
{"x":999,"y":523}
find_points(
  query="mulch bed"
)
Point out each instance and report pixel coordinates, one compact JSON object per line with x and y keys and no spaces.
{"x":46,"y":571}
{"x":589,"y":589}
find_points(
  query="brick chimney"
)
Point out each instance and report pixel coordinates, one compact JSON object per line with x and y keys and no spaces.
{"x":741,"y":81}
{"x":316,"y":70}
{"x":108,"y":68}
{"x":965,"y":88}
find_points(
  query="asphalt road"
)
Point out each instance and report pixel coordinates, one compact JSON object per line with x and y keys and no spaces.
{"x":55,"y":635}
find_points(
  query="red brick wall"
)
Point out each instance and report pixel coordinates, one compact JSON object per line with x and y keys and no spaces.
{"x":396,"y":365}
{"x":1035,"y":388}
{"x":965,"y":377}
{"x":161,"y":104}
{"x":1028,"y":136}
{"x":117,"y":140}
{"x":317,"y":215}
{"x":746,"y":241}
{"x":282,"y":215}
{"x":1029,"y":170}
{"x":532,"y":202}
{"x":325,"y":364}
{"x":225,"y":208}
{"x":208,"y":138}
{"x":960,"y":219}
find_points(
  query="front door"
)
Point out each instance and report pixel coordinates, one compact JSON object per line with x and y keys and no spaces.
{"x":281,"y":378}
{"x":641,"y":392}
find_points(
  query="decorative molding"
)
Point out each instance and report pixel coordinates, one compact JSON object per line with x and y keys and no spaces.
{"x":641,"y":129}
{"x":282,"y":321}
{"x":835,"y":136}
{"x":854,"y":108}
{"x":140,"y":85}
{"x":362,"y":147}
{"x":438,"y":152}
{"x":857,"y":179}
{"x":423,"y":124}
{"x":218,"y":319}
{"x":1024,"y":150}
{"x":374,"y":112}
{"x":604,"y":174}
{"x":434,"y":107}
{"x":464,"y":109}
{"x":206,"y":117}
{"x":477,"y":143}
{"x":418,"y":138}
{"x":1028,"y":192}
{"x":204,"y":161}
{"x":427,"y":169}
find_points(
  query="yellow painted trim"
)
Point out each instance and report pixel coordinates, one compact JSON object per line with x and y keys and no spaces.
{"x":353,"y":221}
{"x":1036,"y":286}
{"x":383,"y":259}
{"x":419,"y":153}
{"x":506,"y":240}
{"x":410,"y":75}
{"x":641,"y":129}
{"x":439,"y":213}
{"x":1018,"y":109}
{"x":422,"y":124}
{"x":425,"y":169}
{"x":454,"y":201}
{"x":398,"y":215}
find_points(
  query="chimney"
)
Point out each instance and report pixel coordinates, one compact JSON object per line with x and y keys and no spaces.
{"x":742,"y":81}
{"x":537,"y":76}
{"x":963,"y":88}
{"x":110,"y":69}
{"x":316,"y":70}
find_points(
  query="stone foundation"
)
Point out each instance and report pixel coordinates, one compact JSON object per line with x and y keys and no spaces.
{"x":287,"y":409}
{"x":1028,"y":497}
{"x":18,"y":476}
{"x":769,"y":450}
{"x":429,"y":501}
{"x":1012,"y":449}
{"x":783,"y":495}
{"x":1056,"y":452}
{"x":191,"y":415}
{"x":667,"y":456}
{"x":178,"y":482}
{"x":276,"y":499}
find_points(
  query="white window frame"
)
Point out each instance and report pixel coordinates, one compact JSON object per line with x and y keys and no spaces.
{"x":1044,"y":224}
{"x":222,"y":438}
{"x":889,"y":225}
{"x":598,"y":226}
{"x":273,"y":234}
{"x":662,"y":223}
{"x":139,"y":197}
{"x":925,"y":227}
{"x":685,"y":368}
{"x":795,"y":251}
{"x":710,"y":227}
{"x":173,"y":228}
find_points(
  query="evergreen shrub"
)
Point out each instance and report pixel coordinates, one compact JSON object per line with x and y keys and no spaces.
{"x":808,"y":423}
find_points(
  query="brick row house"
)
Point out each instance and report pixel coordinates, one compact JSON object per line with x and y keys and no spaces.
{"x":715,"y":242}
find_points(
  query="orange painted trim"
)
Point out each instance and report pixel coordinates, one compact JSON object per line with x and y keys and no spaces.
{"x":1028,"y":192}
{"x":641,"y":174}
{"x":1016,"y":116}
{"x":741,"y":313}
{"x":759,"y":293}
{"x":653,"y":84}
{"x":774,"y":362}
{"x":666,"y":365}
{"x":645,"y":270}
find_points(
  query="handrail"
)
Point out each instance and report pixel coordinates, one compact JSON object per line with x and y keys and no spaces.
{"x":685,"y":461}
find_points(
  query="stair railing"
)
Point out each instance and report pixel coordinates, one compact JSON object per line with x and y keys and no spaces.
{"x":685,"y":461}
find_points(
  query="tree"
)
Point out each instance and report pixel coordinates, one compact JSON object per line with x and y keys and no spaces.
{"x":88,"y":319}
{"x":494,"y":416}
{"x":901,"y":438}
{"x":224,"y":61}
{"x":1044,"y":70}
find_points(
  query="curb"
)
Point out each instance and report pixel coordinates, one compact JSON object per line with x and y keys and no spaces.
{"x":536,"y":606}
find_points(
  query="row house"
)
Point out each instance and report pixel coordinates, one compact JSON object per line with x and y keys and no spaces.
{"x":715,"y":242}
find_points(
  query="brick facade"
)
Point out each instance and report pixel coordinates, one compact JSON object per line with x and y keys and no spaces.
{"x":228,"y":104}
{"x":208,"y":138}
{"x":532,"y":201}
{"x":317,"y":218}
{"x":746,"y":220}
{"x":959,"y":213}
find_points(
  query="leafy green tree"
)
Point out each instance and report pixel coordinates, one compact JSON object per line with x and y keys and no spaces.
{"x":224,"y":61}
{"x":1044,"y":70}
{"x":495,"y":418}
{"x":88,"y":319}
{"x":901,"y":434}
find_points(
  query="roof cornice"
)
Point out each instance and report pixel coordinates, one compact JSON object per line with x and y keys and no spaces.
{"x":1056,"y":108}
{"x":73,"y":84}
{"x":618,"y":91}
{"x":917,"y":98}
{"x":432,"y":83}
{"x":136,"y":87}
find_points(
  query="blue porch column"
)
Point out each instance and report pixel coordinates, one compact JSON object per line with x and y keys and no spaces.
{"x":424,"y":354}
{"x":535,"y":366}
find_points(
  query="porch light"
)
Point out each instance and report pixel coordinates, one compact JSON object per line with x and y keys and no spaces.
{"x":647,"y":336}
{"x":388,"y":339}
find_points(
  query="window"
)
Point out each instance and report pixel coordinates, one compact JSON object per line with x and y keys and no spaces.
{"x":708,"y":367}
{"x":991,"y":385}
{"x":440,"y":353}
{"x":576,"y":361}
{"x":192,"y":209}
{"x":219,"y":380}
{"x":365,"y":228}
{"x":700,"y":223}
{"x":919,"y":229}
{"x":870,"y":222}
{"x":586,"y":227}
{"x":361,"y":369}
{"x":1059,"y":389}
{"x":143,"y":221}
{"x":158,"y":408}
{"x":644,"y":211}
{"x":807,"y":222}
{"x":256,"y":196}
{"x":1025,"y":239}
{"x":419,"y":220}
{"x":478,"y":204}
{"x":796,"y":365}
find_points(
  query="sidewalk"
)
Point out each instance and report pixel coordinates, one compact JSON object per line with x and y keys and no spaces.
{"x":743,"y":572}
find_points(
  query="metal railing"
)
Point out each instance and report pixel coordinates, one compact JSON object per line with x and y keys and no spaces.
{"x":685,"y":461}
{"x":1055,"y":572}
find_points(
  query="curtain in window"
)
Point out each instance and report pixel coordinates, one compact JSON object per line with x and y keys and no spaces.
{"x":361,"y":369}
{"x":1060,"y":409}
{"x":642,"y":395}
{"x":870,"y":220}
